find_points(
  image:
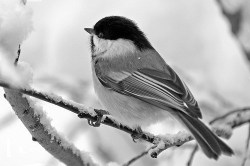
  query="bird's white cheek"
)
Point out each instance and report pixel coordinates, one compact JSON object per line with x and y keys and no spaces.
{"x":101,"y":45}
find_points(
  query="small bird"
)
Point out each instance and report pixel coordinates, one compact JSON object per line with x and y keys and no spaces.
{"x":137,"y":87}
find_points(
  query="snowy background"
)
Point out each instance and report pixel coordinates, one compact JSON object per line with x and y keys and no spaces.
{"x":192,"y":36}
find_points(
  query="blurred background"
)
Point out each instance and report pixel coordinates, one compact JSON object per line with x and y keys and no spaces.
{"x":192,"y":36}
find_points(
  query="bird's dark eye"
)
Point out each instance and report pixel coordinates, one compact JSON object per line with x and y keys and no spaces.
{"x":100,"y":35}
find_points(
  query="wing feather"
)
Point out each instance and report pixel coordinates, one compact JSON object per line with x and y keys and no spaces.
{"x":172,"y":81}
{"x":161,"y":89}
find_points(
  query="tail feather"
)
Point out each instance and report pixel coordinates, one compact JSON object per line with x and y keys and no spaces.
{"x":224,"y":147}
{"x":208,"y":141}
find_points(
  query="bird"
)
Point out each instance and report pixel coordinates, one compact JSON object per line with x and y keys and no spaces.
{"x":138,"y":88}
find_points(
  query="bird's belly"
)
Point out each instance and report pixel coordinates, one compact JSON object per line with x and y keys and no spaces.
{"x":128,"y":110}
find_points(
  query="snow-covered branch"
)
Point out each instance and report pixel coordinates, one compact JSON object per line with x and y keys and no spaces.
{"x":221,"y":124}
{"x":39,"y":127}
{"x":224,"y":125}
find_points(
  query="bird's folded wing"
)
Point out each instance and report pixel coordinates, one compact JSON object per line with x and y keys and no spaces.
{"x":163,"y":90}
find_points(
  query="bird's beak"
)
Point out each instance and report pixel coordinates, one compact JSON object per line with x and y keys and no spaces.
{"x":90,"y":30}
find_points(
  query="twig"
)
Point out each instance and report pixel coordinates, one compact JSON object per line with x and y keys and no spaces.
{"x":234,"y":18}
{"x":191,"y":158}
{"x":247,"y":147}
{"x":144,"y":153}
{"x":18,"y":55}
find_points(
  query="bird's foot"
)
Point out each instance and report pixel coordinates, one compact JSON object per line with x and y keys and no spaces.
{"x":137,"y":134}
{"x":99,"y":116}
{"x":94,"y":122}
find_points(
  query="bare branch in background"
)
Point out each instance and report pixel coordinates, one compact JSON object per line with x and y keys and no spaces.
{"x":238,"y":14}
{"x":23,"y":2}
{"x":191,"y":158}
{"x":18,"y":55}
{"x":144,"y":153}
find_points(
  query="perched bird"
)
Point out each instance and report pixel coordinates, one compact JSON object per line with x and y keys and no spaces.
{"x":137,"y":87}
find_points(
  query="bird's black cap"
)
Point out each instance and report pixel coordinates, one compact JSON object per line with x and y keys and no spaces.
{"x":117,"y":27}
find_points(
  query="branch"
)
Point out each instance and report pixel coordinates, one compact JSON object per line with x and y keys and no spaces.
{"x":191,"y":158}
{"x":43,"y":133}
{"x":144,"y":153}
{"x":80,"y":110}
{"x":233,"y":119}
{"x":236,"y":13}
{"x":224,"y":125}
{"x":163,"y":142}
{"x":18,"y":55}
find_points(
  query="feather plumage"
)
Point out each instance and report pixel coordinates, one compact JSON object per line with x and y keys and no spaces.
{"x":135,"y":84}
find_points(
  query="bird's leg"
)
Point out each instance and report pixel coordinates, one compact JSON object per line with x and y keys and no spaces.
{"x":137,"y":134}
{"x":99,"y":115}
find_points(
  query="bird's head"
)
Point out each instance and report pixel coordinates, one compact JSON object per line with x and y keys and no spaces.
{"x":117,"y":30}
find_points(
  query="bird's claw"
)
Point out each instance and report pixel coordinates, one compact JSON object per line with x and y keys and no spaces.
{"x":137,"y":135}
{"x":99,"y":115}
{"x":96,"y":123}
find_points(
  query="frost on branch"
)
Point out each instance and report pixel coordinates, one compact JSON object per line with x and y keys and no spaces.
{"x":39,"y":126}
{"x":166,"y":141}
{"x":224,"y":125}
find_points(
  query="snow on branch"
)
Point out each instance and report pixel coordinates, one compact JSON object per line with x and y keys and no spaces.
{"x":223,"y":126}
{"x":162,"y":142}
{"x":42,"y":132}
{"x":224,"y":123}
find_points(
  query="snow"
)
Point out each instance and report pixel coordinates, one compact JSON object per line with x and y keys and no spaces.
{"x":169,"y":140}
{"x":223,"y":130}
{"x":194,"y":36}
{"x":54,"y":97}
{"x":174,"y":138}
{"x":113,"y":164}
{"x":80,"y":107}
{"x":20,"y":75}
{"x":46,"y":122}
{"x":7,"y":71}
{"x":15,"y":26}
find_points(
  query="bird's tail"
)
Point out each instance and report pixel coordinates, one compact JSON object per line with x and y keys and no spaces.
{"x":211,"y":145}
